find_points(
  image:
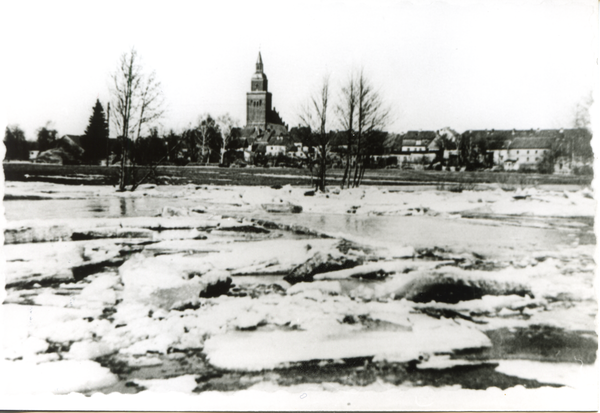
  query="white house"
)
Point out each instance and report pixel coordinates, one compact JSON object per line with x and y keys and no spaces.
{"x":414,"y":145}
{"x":522,"y":151}
{"x":277,"y":145}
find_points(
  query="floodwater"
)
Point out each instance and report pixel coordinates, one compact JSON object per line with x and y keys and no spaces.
{"x":499,"y":237}
{"x":491,"y":238}
{"x":16,"y":210}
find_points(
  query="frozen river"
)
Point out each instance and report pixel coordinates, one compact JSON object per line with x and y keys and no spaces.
{"x":494,"y":236}
{"x":200,"y":288}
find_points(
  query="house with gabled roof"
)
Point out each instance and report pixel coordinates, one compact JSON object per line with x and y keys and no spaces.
{"x":513,"y":148}
{"x":279,"y":144}
{"x":525,"y":150}
{"x":417,"y":141}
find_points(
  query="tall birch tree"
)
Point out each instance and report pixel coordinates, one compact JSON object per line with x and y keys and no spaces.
{"x":226,"y":125}
{"x":314,"y":115}
{"x":137,"y":103}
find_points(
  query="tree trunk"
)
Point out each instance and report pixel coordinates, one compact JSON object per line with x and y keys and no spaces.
{"x":122,"y":172}
{"x":323,"y":171}
{"x":348,"y":156}
{"x":346,"y":170}
{"x":108,"y":134}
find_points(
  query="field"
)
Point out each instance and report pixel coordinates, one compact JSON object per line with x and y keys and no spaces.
{"x":199,"y":175}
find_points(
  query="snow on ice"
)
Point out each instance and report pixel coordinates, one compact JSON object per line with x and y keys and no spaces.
{"x":202,"y":277}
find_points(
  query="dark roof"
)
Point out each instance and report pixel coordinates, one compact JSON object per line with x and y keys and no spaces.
{"x":254,"y":134}
{"x":277,"y":128}
{"x":274,"y":119}
{"x":259,"y":148}
{"x":74,"y":138}
{"x":412,"y":142}
{"x":419,"y":135}
{"x":280,"y":140}
{"x":531,"y":138}
{"x":541,"y":142}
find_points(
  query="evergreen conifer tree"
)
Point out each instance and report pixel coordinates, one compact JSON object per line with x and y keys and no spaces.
{"x":96,"y":135}
{"x":16,"y":145}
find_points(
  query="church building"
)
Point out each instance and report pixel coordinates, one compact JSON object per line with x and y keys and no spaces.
{"x":259,"y":115}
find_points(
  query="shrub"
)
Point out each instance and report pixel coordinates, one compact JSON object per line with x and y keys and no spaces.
{"x":546,"y":164}
{"x":526,"y":169}
{"x":392,"y":160}
{"x":584,"y":170}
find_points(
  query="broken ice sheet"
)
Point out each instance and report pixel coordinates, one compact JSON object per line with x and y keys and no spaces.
{"x":268,"y":350}
{"x":143,"y":314}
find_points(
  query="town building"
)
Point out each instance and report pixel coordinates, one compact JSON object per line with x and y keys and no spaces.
{"x":525,"y":151}
{"x":417,"y":141}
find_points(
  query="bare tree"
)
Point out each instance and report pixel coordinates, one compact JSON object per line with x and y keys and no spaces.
{"x":151,"y":102}
{"x":579,"y":142}
{"x":581,"y":115}
{"x":373,"y":116}
{"x":445,"y":140}
{"x":346,"y":109}
{"x":226,"y":124}
{"x":207,"y":129}
{"x":314,"y":115}
{"x":362,"y":112}
{"x":137,"y":103}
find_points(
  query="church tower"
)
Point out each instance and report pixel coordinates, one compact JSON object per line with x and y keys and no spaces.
{"x":258,"y":100}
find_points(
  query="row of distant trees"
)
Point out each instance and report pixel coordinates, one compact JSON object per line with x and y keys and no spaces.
{"x":201,"y":144}
{"x":18,"y":147}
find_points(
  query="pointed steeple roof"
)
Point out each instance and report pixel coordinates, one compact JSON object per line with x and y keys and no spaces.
{"x":259,"y":64}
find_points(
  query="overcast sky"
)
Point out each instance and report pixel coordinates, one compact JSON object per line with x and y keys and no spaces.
{"x":462,"y":64}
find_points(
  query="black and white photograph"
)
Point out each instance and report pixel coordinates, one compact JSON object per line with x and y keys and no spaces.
{"x":303,"y":205}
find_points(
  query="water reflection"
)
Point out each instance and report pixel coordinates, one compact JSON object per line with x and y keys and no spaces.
{"x":123,"y":204}
{"x":127,"y":206}
{"x":97,"y":207}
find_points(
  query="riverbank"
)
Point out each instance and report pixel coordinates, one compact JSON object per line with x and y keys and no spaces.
{"x":213,"y":175}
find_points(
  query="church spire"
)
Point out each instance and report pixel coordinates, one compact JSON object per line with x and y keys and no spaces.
{"x":259,"y":64}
